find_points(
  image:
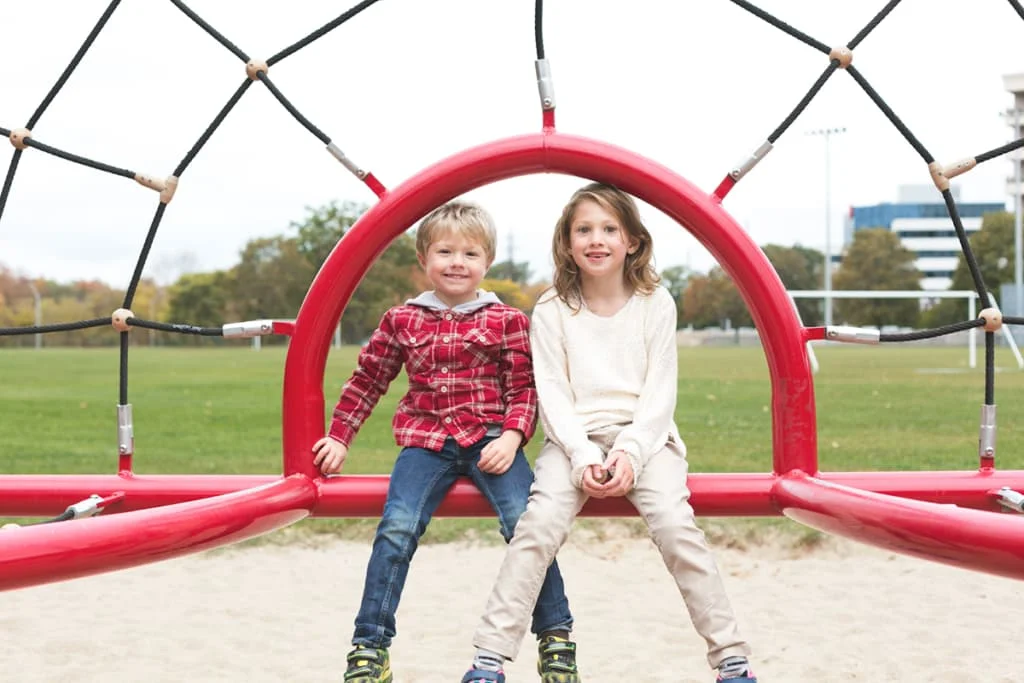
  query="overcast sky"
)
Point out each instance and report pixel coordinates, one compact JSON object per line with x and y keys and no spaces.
{"x":696,"y":86}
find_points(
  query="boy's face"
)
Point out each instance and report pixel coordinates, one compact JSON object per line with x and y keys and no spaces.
{"x":455,"y":266}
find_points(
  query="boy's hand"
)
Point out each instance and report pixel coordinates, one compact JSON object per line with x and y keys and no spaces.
{"x":497,"y":456}
{"x":330,"y":455}
{"x":613,"y":478}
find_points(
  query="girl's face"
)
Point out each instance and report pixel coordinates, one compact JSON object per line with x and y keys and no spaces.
{"x":598,"y":242}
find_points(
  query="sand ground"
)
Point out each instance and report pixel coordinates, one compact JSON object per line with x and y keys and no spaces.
{"x":277,"y":612}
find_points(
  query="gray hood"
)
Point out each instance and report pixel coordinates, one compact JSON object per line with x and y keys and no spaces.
{"x":430,"y":300}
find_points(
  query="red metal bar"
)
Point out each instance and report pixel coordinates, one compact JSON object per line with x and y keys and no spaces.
{"x":47,"y":495}
{"x":230,"y":508}
{"x":285,"y":327}
{"x":724,"y":187}
{"x":814,"y":333}
{"x":717,"y":495}
{"x":46,"y":553}
{"x":548,"y":121}
{"x":106,"y":501}
{"x":375,"y":185}
{"x":971,"y":539}
{"x":794,"y":432}
{"x":714,"y":494}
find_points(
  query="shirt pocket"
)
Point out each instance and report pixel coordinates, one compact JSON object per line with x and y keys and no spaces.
{"x":482,"y":346}
{"x":416,"y":349}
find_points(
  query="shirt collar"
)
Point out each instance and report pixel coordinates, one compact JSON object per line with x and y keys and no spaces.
{"x":430,"y":300}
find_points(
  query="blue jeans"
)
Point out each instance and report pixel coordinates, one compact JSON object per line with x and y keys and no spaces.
{"x":419,"y":482}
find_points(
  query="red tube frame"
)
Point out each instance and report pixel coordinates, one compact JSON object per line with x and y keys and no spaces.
{"x":971,"y":539}
{"x":53,"y":552}
{"x":195,"y":512}
{"x":361,"y":495}
{"x":794,"y":438}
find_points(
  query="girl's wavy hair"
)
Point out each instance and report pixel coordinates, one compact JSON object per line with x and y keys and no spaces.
{"x":638,"y":272}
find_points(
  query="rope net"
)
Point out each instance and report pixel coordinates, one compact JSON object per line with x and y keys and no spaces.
{"x":255,"y":72}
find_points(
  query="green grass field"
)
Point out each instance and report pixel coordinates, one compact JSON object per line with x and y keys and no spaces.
{"x":219,"y":411}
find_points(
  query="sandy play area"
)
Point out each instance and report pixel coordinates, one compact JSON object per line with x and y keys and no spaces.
{"x":284,"y":613}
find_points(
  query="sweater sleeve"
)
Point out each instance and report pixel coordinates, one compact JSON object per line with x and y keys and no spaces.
{"x":557,"y":401}
{"x":515,"y":371}
{"x":655,"y":410}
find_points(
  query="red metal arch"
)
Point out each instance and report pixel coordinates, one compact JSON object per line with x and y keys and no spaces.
{"x":929,"y":530}
{"x":794,"y":438}
{"x":915,"y":513}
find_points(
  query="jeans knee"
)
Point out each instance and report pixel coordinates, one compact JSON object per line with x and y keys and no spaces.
{"x":510,"y":517}
{"x":398,"y":530}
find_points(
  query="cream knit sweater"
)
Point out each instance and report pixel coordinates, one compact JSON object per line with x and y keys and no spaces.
{"x":599,"y":373}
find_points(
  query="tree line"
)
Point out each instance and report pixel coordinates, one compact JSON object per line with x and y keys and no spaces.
{"x":875,"y":260}
{"x":273,"y":274}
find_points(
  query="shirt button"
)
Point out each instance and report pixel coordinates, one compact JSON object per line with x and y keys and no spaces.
{"x":447,"y":420}
{"x":443,"y":370}
{"x":448,"y":317}
{"x":412,"y":340}
{"x":446,"y":339}
{"x":444,"y":390}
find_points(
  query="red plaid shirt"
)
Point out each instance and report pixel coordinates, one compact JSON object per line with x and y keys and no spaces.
{"x":467,"y":371}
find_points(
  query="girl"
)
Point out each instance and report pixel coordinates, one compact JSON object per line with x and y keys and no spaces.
{"x":604,"y":345}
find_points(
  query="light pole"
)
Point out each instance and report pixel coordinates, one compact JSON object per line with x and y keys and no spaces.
{"x":38,"y":313}
{"x":827,"y":133}
{"x":1018,"y":261}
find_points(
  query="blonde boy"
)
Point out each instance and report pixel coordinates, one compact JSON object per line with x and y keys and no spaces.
{"x":470,"y":407}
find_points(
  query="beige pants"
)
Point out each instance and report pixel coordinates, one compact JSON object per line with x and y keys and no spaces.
{"x":661,"y":497}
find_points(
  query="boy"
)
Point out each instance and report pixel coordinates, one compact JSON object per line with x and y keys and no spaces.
{"x":470,"y":407}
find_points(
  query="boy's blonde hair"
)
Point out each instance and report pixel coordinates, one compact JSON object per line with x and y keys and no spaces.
{"x":458,"y":217}
{"x":639,"y":271}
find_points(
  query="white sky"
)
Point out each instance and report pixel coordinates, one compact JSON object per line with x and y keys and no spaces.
{"x":696,"y":86}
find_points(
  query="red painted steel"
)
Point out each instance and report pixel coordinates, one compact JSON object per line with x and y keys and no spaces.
{"x":794,"y":438}
{"x":195,"y":512}
{"x":284,"y":327}
{"x":724,"y":187}
{"x":106,"y":501}
{"x":714,"y":494}
{"x":47,"y":495}
{"x":980,"y":541}
{"x":46,"y":553}
{"x":548,"y":120}
{"x":375,"y":185}
{"x":815,"y":333}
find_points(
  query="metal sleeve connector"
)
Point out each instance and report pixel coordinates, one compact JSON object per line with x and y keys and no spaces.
{"x":249,"y":328}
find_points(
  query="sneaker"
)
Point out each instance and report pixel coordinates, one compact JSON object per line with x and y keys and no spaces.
{"x":481,"y":676}
{"x":737,"y":665}
{"x":368,"y":665}
{"x":556,"y":661}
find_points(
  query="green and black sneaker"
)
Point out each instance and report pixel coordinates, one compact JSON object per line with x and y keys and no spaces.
{"x":368,"y":665}
{"x":556,"y":662}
